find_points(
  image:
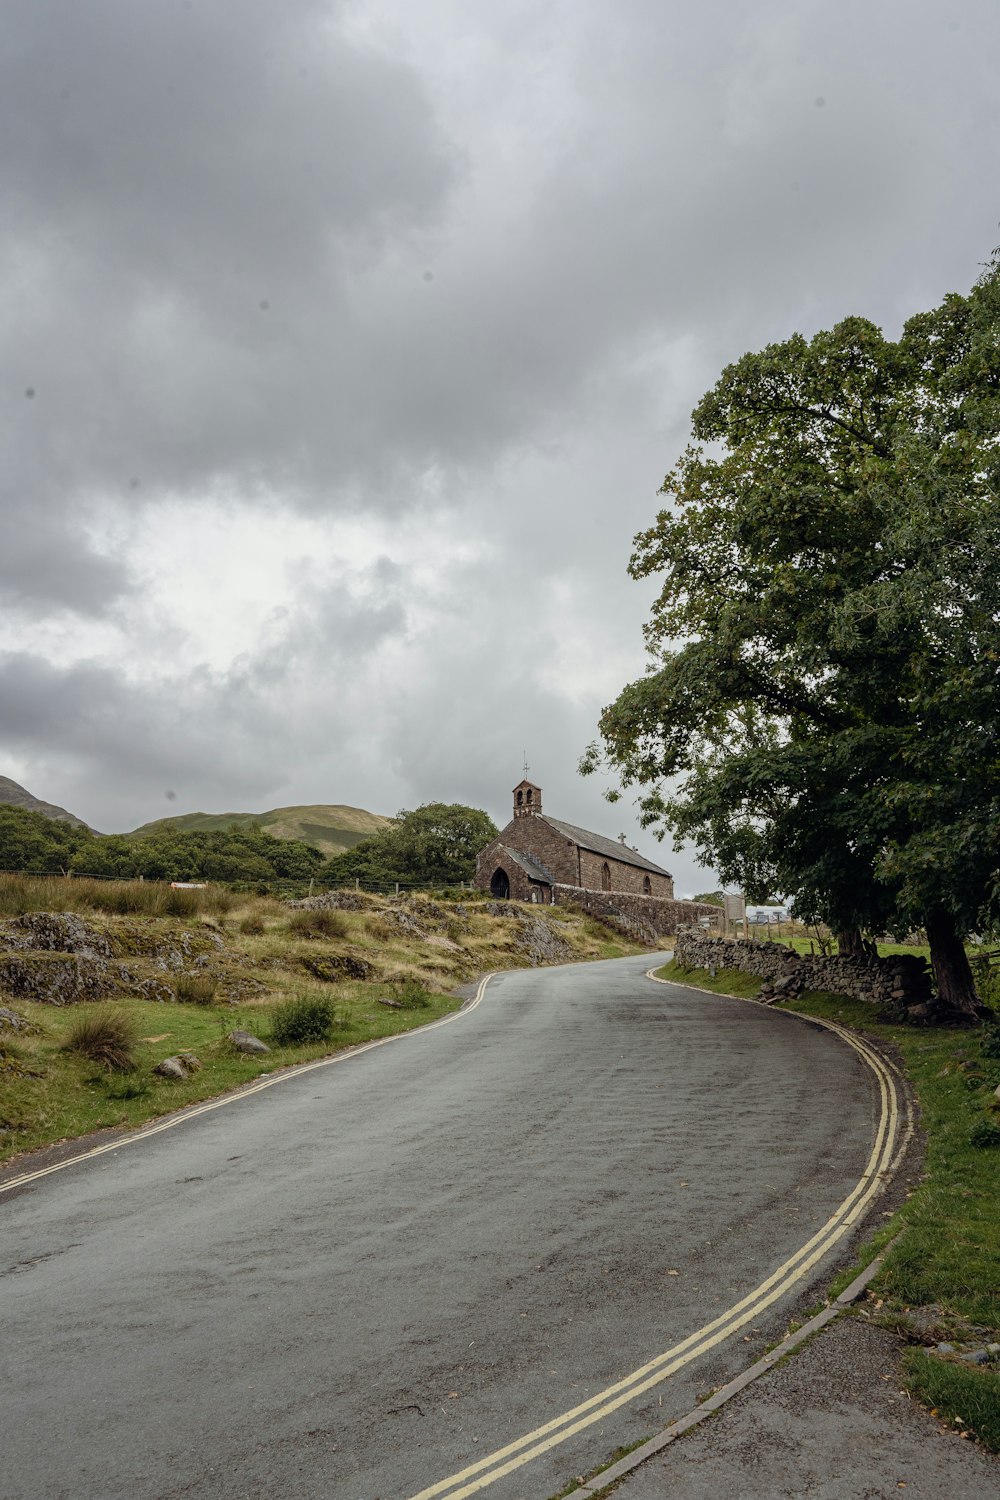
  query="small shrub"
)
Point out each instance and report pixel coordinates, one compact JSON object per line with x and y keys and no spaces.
{"x":412,"y":995}
{"x":107,"y":1036}
{"x":991,"y":1042}
{"x":252,"y":926}
{"x":317,"y":924}
{"x":195,"y":989}
{"x":307,"y":1018}
{"x":985,"y":1135}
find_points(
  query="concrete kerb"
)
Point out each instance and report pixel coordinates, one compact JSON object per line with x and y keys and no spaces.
{"x":632,"y":1461}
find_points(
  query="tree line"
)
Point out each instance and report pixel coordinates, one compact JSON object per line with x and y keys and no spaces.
{"x":434,"y":844}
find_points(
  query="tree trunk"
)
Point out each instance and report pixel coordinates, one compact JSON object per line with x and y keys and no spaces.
{"x":955,"y":984}
{"x":850,"y":943}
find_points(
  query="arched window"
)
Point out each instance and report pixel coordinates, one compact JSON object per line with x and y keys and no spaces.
{"x":528,"y":797}
{"x":647,"y":886}
{"x":520,"y":799}
{"x":605,"y":877}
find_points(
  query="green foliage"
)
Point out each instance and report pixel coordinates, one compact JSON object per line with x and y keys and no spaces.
{"x":39,"y":845}
{"x":436,"y":844}
{"x":822,"y":714}
{"x":320,"y":923}
{"x":307,"y":1018}
{"x":711,"y":898}
{"x":106,"y":1036}
{"x":412,"y":995}
{"x":985,"y":1136}
{"x":241,"y":853}
{"x":990,"y":1045}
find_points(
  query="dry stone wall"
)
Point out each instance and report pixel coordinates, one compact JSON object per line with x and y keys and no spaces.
{"x":901,"y":981}
{"x":646,"y":918}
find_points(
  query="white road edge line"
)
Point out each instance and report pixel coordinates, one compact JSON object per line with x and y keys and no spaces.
{"x":193,"y":1111}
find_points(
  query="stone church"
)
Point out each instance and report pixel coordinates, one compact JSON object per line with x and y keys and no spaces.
{"x":542,"y":859}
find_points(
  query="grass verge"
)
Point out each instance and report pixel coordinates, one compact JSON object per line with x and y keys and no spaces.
{"x":941,"y":1279}
{"x":308,"y":981}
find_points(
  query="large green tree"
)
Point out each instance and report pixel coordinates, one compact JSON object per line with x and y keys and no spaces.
{"x":435,"y":844}
{"x":821,"y":715}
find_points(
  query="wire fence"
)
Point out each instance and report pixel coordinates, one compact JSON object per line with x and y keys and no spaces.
{"x":279,"y":886}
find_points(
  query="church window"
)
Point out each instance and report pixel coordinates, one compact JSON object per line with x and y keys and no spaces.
{"x":528,"y":798}
{"x":606,"y":877}
{"x":520,"y":799}
{"x":647,"y":886}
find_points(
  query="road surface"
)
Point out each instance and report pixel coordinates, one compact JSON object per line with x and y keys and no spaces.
{"x":377,"y":1276}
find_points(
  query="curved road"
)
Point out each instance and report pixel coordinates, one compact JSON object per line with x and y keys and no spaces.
{"x":368,"y":1278}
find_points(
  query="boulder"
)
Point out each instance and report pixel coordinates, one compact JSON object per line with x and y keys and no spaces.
{"x":245,"y":1041}
{"x":171,"y":1067}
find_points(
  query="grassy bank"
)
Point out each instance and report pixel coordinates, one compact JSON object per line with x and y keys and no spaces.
{"x":184,"y":969}
{"x":941,"y":1279}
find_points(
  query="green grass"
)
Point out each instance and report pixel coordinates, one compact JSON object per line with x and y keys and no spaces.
{"x":947,"y":1253}
{"x":967,"y":1397}
{"x":51,"y":1095}
{"x":723,"y":982}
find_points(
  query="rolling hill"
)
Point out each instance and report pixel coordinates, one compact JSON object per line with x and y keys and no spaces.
{"x":328,"y":828}
{"x":15,"y":795}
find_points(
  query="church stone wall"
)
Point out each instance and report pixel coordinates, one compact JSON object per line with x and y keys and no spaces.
{"x":642,"y":915}
{"x":553,"y":850}
{"x":624,"y":877}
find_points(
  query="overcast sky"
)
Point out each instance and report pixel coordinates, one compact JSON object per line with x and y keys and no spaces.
{"x":346,"y":345}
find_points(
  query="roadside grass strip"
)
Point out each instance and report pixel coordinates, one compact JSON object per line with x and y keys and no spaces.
{"x":170,"y":1122}
{"x":551,"y":1434}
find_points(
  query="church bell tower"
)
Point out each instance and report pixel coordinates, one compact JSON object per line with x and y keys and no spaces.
{"x":527,"y":799}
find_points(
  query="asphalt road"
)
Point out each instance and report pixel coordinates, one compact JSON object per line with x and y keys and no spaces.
{"x":367,"y":1278}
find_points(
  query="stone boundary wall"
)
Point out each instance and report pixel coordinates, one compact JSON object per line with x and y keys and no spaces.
{"x":647,"y":917}
{"x":901,"y":981}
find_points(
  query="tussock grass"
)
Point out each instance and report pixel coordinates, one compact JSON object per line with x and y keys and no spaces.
{"x":195,"y":989}
{"x":106,"y":1036}
{"x":321,"y":923}
{"x":24,"y":893}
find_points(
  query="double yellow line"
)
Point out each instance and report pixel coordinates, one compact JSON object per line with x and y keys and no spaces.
{"x":534,"y":1444}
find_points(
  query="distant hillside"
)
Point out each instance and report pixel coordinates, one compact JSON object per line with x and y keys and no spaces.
{"x":330,"y":829}
{"x":18,"y":796}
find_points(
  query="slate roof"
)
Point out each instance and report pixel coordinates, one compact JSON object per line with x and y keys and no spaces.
{"x":610,"y":848}
{"x":529,"y":865}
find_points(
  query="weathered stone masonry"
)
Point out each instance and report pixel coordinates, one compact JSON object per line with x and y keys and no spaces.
{"x":543,"y":860}
{"x":901,"y":981}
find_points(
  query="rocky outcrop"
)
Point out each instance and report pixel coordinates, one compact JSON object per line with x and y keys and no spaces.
{"x":59,"y":958}
{"x":54,"y":932}
{"x":62,"y":978}
{"x":900,"y":983}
